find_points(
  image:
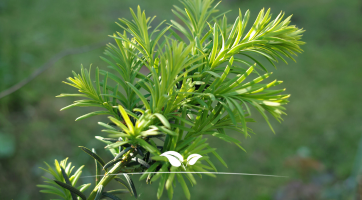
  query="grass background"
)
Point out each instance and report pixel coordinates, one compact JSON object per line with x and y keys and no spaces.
{"x":316,"y":145}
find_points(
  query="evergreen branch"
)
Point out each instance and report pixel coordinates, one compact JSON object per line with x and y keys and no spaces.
{"x":188,"y":92}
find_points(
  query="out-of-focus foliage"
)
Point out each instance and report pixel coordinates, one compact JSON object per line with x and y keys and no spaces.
{"x":64,"y":185}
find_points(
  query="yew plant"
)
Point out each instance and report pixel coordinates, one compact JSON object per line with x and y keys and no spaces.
{"x":204,"y":78}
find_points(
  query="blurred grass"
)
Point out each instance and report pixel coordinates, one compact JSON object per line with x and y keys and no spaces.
{"x":324,"y":115}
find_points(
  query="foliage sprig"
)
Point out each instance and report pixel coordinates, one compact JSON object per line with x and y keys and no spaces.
{"x":204,"y":78}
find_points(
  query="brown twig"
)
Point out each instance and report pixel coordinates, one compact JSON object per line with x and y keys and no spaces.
{"x":49,"y":64}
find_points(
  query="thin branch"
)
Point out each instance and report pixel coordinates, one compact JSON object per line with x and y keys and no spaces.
{"x":50,"y":63}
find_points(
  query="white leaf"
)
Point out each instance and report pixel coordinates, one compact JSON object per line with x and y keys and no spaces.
{"x":173,"y":157}
{"x":174,"y":153}
{"x":191,"y":160}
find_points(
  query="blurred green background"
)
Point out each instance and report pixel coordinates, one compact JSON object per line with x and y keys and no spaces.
{"x":317,"y":146}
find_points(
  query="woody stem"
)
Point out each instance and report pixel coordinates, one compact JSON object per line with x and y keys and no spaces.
{"x":111,"y":174}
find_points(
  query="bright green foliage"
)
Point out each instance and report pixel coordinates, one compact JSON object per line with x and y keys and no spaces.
{"x":62,"y":173}
{"x":200,"y":82}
